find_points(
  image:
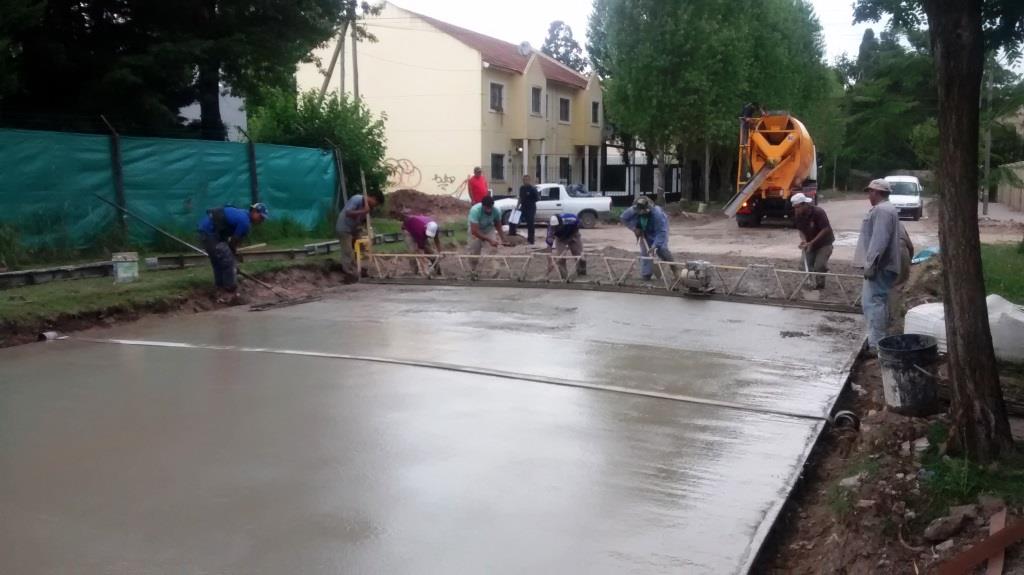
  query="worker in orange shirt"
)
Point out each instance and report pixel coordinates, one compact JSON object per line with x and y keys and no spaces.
{"x":477,"y":186}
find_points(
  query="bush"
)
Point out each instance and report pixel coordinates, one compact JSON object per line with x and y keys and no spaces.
{"x":310,"y":122}
{"x":11,"y":251}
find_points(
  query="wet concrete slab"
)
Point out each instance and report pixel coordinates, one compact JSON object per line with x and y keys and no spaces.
{"x":361,"y":434}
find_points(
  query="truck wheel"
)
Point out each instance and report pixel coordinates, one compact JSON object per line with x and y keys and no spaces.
{"x":588,"y":220}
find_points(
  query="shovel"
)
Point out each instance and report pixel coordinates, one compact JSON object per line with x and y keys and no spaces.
{"x":284,"y":297}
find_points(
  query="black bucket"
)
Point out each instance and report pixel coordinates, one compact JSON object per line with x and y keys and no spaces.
{"x":908,"y":373}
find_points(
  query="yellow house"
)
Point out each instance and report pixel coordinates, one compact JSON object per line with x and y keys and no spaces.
{"x":455,"y":99}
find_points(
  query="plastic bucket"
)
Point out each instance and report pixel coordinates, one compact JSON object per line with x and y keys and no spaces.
{"x":908,"y":373}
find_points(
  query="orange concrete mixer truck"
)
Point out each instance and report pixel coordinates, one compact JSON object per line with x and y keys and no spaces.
{"x":776,"y":160}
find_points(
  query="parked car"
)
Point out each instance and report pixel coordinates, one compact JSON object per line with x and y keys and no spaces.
{"x":906,"y":196}
{"x":558,"y":199}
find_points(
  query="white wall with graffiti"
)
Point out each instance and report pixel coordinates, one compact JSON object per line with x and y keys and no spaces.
{"x":427,"y":84}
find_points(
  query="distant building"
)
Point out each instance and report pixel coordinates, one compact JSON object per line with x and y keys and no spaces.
{"x":456,"y":99}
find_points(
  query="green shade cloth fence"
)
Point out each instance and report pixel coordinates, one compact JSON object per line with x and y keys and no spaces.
{"x":47,"y":182}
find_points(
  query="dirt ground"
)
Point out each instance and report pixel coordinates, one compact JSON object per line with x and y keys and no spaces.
{"x":444,"y":208}
{"x":718,"y":235}
{"x":861,"y":509}
{"x":296,"y":282}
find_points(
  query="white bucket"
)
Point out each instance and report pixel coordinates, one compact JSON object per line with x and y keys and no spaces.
{"x":126,"y":267}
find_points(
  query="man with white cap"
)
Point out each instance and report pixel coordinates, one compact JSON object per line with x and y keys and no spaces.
{"x":419,"y":231}
{"x":564,"y":236}
{"x":814,"y":227}
{"x":879,"y":253}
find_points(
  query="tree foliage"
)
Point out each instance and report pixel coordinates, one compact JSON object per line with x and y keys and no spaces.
{"x":678,"y":73}
{"x":891,"y":91}
{"x":561,"y":46}
{"x":64,"y":62}
{"x":308,"y":121}
{"x":597,"y":38}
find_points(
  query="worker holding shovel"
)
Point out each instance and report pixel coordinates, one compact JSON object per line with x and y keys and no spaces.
{"x":564,"y":236}
{"x":421,"y":237}
{"x":650,"y":224}
{"x":221,"y":232}
{"x":816,"y":231}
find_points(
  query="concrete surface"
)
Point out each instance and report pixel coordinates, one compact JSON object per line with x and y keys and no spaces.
{"x":722,"y":236}
{"x":416,"y":430}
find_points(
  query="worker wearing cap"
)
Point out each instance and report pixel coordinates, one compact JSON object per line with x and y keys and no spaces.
{"x":421,"y":236}
{"x":221,"y":232}
{"x":477,"y":185}
{"x":484,"y":229}
{"x":564,"y":236}
{"x":816,"y":231}
{"x":879,"y":252}
{"x":349,"y":227}
{"x":650,"y":224}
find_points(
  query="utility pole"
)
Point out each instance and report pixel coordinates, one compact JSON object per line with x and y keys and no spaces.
{"x":988,"y":142}
{"x":355,"y":63}
{"x":339,"y":50}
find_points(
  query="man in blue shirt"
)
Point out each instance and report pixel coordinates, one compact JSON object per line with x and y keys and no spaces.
{"x":650,"y":224}
{"x":221,"y":232}
{"x":564,"y":235}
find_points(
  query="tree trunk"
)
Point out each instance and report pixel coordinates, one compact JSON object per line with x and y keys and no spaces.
{"x":980,"y":427}
{"x":659,"y":176}
{"x":210,"y":125}
{"x":707,"y":172}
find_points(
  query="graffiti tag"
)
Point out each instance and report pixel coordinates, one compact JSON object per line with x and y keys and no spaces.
{"x":443,"y":181}
{"x":402,"y":174}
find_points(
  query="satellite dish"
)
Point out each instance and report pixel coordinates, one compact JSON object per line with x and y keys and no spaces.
{"x":525,"y":49}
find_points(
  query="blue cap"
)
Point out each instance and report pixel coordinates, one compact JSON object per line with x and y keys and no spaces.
{"x":261,"y":208}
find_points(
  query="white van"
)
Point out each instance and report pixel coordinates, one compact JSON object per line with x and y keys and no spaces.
{"x":906,"y":196}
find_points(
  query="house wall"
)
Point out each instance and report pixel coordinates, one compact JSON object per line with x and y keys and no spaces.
{"x":585,"y":132}
{"x":499,"y":129}
{"x":429,"y":86}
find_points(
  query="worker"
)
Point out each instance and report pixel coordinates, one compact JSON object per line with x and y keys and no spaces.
{"x":906,"y":255}
{"x":879,"y":252}
{"x":484,"y":229}
{"x":349,"y":227}
{"x":421,"y":237}
{"x":650,"y":224}
{"x":221,"y":232}
{"x":528,"y":197}
{"x":816,"y":247}
{"x":564,"y":235}
{"x":477,"y":185}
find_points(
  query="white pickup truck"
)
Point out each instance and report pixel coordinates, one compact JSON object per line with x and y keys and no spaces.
{"x":557,"y":199}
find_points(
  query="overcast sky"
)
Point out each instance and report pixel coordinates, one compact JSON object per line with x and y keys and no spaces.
{"x":528,"y":19}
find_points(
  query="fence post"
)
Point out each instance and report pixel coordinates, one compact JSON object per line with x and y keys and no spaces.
{"x":254,"y":183}
{"x":118,"y":173}
{"x":339,"y":172}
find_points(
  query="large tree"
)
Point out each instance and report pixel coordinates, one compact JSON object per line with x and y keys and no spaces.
{"x":138,"y":61}
{"x":561,"y":46}
{"x":678,"y":73}
{"x":72,"y":60}
{"x":246,"y":45}
{"x":961,"y":31}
